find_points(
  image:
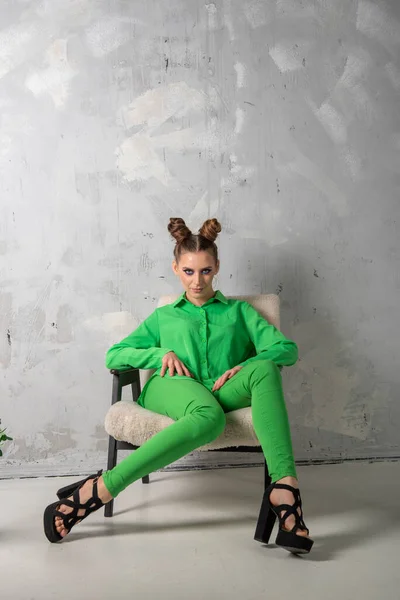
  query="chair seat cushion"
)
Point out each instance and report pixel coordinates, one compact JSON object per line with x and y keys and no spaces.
{"x":130,"y":422}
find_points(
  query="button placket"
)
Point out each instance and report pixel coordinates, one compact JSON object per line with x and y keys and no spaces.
{"x":204,"y":341}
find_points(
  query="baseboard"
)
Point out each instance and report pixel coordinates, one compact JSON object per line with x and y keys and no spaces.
{"x":197,"y":460}
{"x":92,"y":462}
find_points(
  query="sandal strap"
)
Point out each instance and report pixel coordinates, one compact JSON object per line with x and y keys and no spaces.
{"x":284,"y":486}
{"x":290,"y":509}
{"x":72,"y":518}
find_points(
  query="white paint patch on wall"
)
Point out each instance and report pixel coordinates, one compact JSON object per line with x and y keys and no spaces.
{"x":239,"y":121}
{"x":258,"y":12}
{"x":352,"y":162}
{"x":212,"y":16}
{"x":237,"y":173}
{"x":138,"y":157}
{"x":228,"y":19}
{"x":107,"y":35}
{"x":355,"y":73}
{"x":214,"y":139}
{"x":14,"y":43}
{"x":240,"y":75}
{"x":36,"y":441}
{"x":332,"y":121}
{"x":59,"y":10}
{"x":394,"y":75}
{"x":138,"y":160}
{"x":355,"y":68}
{"x":290,"y":56}
{"x":373,"y":21}
{"x":158,"y":105}
{"x":56,"y":77}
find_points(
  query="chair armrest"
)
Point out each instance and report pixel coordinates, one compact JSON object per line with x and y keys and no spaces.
{"x":126,"y":376}
{"x":122,"y":377}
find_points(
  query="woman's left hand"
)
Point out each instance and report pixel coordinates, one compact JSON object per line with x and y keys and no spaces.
{"x":227,"y":375}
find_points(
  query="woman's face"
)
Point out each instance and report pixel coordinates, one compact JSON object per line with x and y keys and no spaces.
{"x":196,"y":270}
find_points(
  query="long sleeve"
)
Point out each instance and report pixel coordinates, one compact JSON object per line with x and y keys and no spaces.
{"x":141,"y":349}
{"x":269,"y":343}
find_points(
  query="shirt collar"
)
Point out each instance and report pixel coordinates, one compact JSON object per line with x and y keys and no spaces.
{"x":218,"y":296}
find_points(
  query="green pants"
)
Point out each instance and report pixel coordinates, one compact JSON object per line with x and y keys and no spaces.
{"x":200,"y":418}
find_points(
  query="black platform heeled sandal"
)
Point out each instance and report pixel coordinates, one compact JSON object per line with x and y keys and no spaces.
{"x":287,"y":539}
{"x":68,"y":490}
{"x":72,"y":518}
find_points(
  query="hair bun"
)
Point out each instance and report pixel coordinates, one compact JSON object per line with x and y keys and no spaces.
{"x":178,"y":229}
{"x":210,"y":229}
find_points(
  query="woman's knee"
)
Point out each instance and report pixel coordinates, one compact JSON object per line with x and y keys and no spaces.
{"x":218,"y":421}
{"x":211,"y":422}
{"x":263,"y":369}
{"x":265,"y":366}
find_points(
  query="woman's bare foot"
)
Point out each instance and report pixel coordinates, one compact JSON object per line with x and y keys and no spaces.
{"x":85,"y":493}
{"x":279,"y":496}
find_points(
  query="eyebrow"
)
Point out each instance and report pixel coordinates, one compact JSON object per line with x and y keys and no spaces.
{"x":190,"y":268}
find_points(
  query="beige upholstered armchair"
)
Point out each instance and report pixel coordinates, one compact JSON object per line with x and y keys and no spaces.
{"x":130,"y":425}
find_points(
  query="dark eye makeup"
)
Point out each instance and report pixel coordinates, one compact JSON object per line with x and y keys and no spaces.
{"x":204,"y":271}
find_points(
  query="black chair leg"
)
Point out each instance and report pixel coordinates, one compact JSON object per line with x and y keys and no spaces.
{"x":146,"y":479}
{"x":112,"y":461}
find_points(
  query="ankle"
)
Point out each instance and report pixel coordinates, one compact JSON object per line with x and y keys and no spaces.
{"x":103,"y":492}
{"x":289,"y":480}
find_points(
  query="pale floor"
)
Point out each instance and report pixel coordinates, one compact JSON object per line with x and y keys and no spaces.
{"x":189,"y":536}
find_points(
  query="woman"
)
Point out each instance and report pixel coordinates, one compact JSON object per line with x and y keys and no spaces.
{"x":212,"y":356}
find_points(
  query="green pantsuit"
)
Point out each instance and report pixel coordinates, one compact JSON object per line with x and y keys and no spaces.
{"x":209,"y":340}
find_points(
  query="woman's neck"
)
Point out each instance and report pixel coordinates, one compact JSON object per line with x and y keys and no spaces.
{"x":200,"y":301}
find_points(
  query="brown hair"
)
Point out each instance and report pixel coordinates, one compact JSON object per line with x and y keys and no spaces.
{"x":186,"y":241}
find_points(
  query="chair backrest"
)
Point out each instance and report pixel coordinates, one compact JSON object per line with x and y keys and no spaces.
{"x":266,"y":304}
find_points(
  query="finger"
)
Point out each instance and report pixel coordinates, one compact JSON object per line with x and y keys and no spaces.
{"x":171,"y":369}
{"x":217,"y":384}
{"x":164,"y":368}
{"x":178,"y":368}
{"x":224,"y":379}
{"x":187,"y":372}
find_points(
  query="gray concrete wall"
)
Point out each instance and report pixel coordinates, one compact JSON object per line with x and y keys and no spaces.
{"x":281,"y":118}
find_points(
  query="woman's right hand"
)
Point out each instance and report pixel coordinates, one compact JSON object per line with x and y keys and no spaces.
{"x":171,"y":361}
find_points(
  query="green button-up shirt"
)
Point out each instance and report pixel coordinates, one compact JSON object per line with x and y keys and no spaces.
{"x":208,"y":339}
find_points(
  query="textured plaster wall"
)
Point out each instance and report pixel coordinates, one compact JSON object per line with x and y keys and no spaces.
{"x":281,"y":118}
